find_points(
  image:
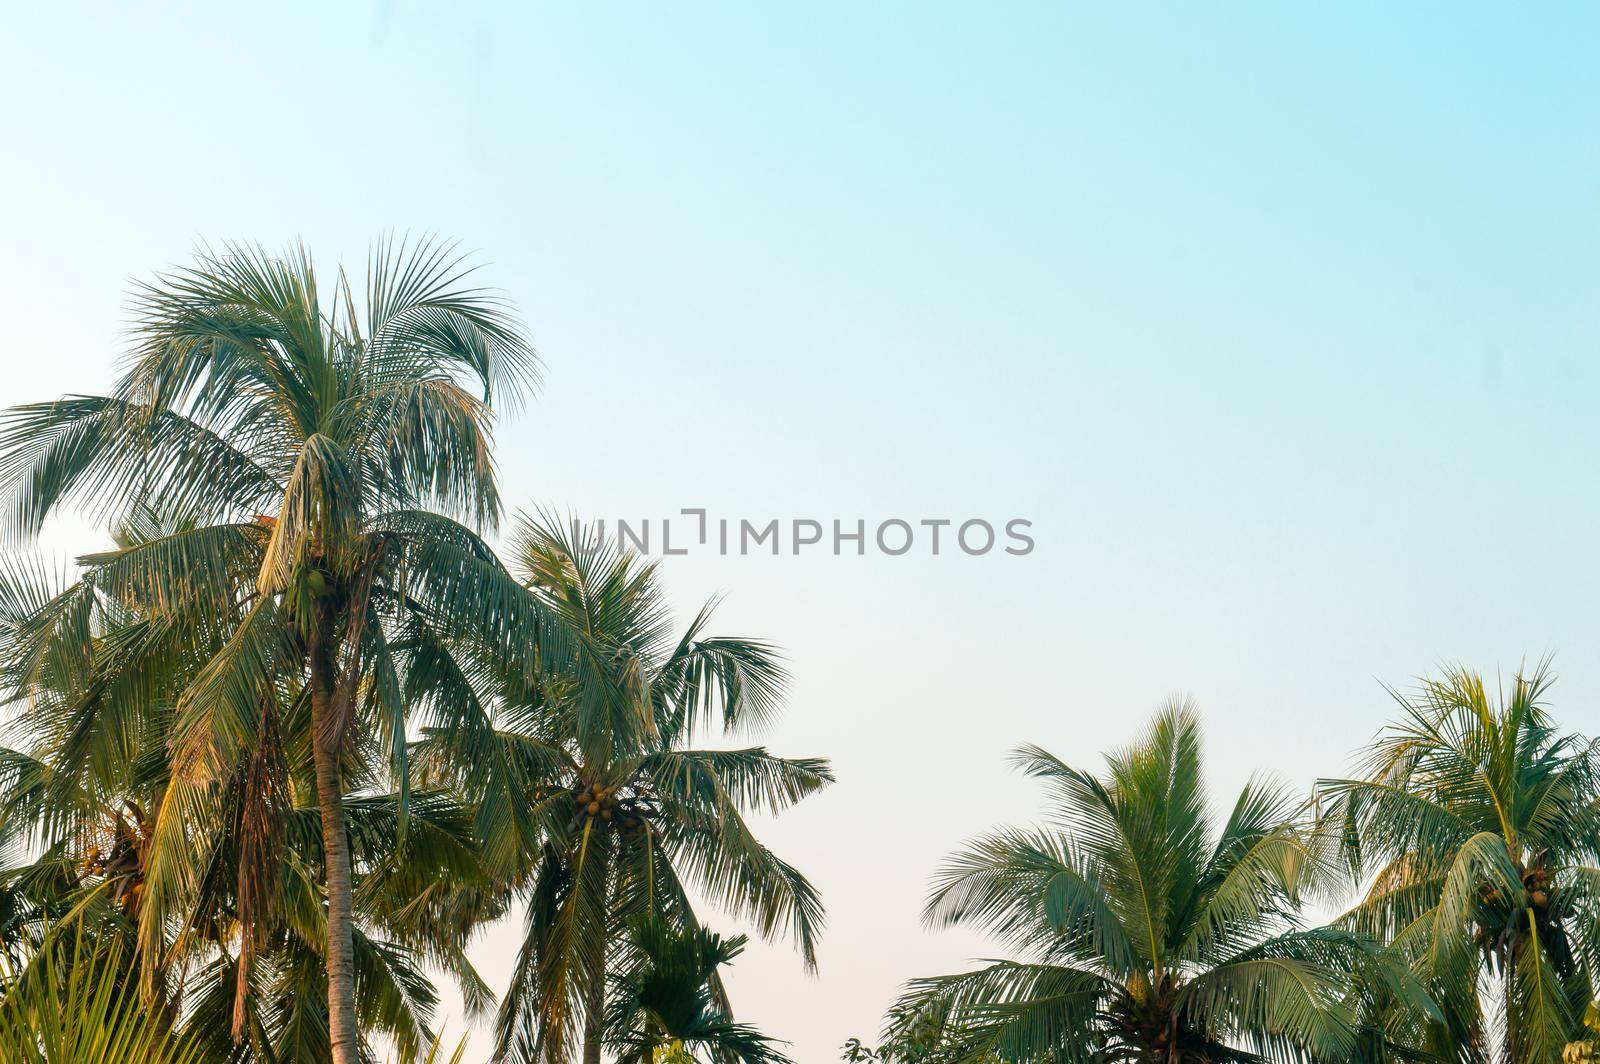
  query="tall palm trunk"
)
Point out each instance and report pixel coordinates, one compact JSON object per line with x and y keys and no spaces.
{"x":326,"y":743}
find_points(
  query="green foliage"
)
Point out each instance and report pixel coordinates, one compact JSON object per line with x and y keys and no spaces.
{"x":92,"y":819}
{"x":1585,"y":1050}
{"x":1147,"y":931}
{"x":297,"y":482}
{"x":1474,"y":822}
{"x":593,"y":806}
{"x":664,"y":1002}
{"x":72,"y":999}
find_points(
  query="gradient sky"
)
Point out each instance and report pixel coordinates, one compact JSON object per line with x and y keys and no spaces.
{"x":1279,"y":323}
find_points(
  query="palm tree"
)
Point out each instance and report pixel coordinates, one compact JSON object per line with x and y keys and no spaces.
{"x":78,"y":794}
{"x":1148,"y":934}
{"x":318,"y":456}
{"x":595,"y":806}
{"x":1476,"y":821}
{"x":664,"y":1007}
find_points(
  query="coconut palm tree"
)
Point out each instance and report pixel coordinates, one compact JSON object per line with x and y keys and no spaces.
{"x":1146,"y":932}
{"x":596,"y":805}
{"x":330,"y":462}
{"x":79,"y":793}
{"x":663,"y":1005}
{"x":1473,"y":820}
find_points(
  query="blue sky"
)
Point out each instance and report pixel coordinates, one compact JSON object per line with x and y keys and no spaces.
{"x":1278,"y":322}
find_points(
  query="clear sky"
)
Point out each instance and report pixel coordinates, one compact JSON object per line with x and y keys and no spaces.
{"x":1278,"y":321}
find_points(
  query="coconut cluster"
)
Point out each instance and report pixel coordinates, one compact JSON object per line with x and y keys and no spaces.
{"x":1537,"y":883}
{"x":124,"y":864}
{"x":1501,"y":925}
{"x":606,"y":807}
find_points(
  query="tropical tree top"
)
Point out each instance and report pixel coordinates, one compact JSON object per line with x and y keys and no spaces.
{"x":665,"y":1002}
{"x":595,"y":805}
{"x":1147,"y":929}
{"x":1474,"y":823}
{"x":1132,"y":866}
{"x":248,"y":390}
{"x":1463,"y":762}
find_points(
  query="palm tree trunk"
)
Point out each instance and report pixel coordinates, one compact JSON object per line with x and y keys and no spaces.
{"x":594,"y":996}
{"x":326,"y":743}
{"x":594,"y":1003}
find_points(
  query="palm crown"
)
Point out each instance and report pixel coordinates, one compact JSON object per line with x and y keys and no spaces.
{"x":664,"y":1007}
{"x":1148,"y":932}
{"x":1475,"y":819}
{"x":594,"y":805}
